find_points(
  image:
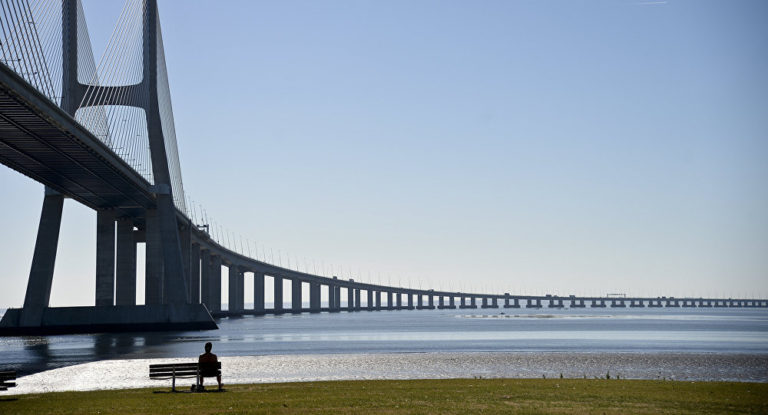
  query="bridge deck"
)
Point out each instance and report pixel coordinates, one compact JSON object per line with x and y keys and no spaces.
{"x":42,"y":142}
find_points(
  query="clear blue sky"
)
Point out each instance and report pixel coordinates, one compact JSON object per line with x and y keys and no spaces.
{"x":565,"y":147}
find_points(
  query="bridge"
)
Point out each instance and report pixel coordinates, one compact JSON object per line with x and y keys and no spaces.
{"x":104,"y":135}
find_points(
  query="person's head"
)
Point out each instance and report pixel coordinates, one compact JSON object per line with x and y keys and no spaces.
{"x":208,"y":347}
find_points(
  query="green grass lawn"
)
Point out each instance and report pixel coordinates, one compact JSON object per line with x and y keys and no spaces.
{"x":451,"y":396}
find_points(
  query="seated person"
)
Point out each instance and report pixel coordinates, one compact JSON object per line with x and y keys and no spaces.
{"x":209,"y":357}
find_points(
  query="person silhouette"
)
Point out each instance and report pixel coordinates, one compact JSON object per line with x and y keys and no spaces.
{"x":208,"y":357}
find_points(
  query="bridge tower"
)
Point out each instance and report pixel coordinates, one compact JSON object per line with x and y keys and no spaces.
{"x":166,"y":279}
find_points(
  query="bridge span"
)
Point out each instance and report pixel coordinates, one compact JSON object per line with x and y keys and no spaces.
{"x":110,"y":144}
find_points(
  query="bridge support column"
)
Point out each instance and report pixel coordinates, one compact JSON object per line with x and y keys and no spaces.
{"x":494,"y":302}
{"x":451,"y":302}
{"x":336,"y":298}
{"x":234,"y":302}
{"x":410,"y":301}
{"x":358,"y":305}
{"x":350,"y":299}
{"x":331,"y":298}
{"x":430,"y":301}
{"x":185,"y":240}
{"x":153,"y":274}
{"x":598,"y":304}
{"x":278,"y":301}
{"x":41,"y":274}
{"x":258,"y":292}
{"x":125,"y":280}
{"x":440,"y":302}
{"x":378,"y":300}
{"x":370,"y":300}
{"x":194,"y":274}
{"x":296,"y":296}
{"x":473,"y":302}
{"x":390,"y":306}
{"x":215,"y":283}
{"x":399,"y":300}
{"x":420,"y":301}
{"x":314,"y":296}
{"x":105,"y":258}
{"x":205,"y":278}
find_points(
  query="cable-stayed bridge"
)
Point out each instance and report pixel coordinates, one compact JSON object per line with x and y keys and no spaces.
{"x":103,"y":134}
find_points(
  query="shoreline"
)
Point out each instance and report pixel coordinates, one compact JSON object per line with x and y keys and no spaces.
{"x":272,"y":369}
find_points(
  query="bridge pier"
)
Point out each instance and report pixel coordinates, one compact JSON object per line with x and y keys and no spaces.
{"x":215,"y":283}
{"x":105,"y":258}
{"x":515,"y":303}
{"x":258,"y":293}
{"x":153,"y":273}
{"x":378,"y":300}
{"x":556,"y":303}
{"x":671,"y":303}
{"x":618,"y":304}
{"x":484,"y":303}
{"x":194,"y":270}
{"x":451,"y":302}
{"x":577,"y":303}
{"x":636,"y":303}
{"x":440,"y":302}
{"x":419,"y":301}
{"x":430,"y":301}
{"x":533,"y":303}
{"x":278,"y":294}
{"x":41,"y":275}
{"x":390,"y":305}
{"x":314,"y":296}
{"x":358,"y":305}
{"x":350,"y":297}
{"x":331,"y":298}
{"x":336,"y":298}
{"x":205,"y":278}
{"x":689,"y":303}
{"x":296,"y":296}
{"x":598,"y":304}
{"x":125,"y":278}
{"x":410,"y":301}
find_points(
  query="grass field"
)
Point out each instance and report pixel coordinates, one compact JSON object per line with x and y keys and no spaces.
{"x":451,"y":396}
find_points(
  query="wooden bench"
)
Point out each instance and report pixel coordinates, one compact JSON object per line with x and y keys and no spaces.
{"x":184,"y":370}
{"x":7,"y":378}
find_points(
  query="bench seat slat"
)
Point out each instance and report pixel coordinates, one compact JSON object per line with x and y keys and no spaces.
{"x":8,"y":384}
{"x":174,"y":365}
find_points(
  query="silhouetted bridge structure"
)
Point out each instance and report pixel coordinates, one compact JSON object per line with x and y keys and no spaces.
{"x":105,"y":136}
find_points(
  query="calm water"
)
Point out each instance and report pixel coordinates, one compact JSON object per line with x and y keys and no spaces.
{"x":455,"y":332}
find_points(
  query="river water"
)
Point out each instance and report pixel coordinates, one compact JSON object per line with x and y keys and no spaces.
{"x":698,"y":344}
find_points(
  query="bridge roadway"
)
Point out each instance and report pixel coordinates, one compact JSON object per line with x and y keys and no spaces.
{"x":41,"y":141}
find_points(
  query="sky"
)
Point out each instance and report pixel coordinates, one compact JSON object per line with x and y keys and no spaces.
{"x":564,"y":147}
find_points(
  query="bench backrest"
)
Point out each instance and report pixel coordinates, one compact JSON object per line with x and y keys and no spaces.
{"x":183,"y":370}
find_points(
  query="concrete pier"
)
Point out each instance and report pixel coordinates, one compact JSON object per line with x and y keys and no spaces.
{"x":556,"y":303}
{"x":215,"y":284}
{"x":258,"y":292}
{"x":390,"y":304}
{"x":278,"y":295}
{"x":377,"y":299}
{"x":598,"y":304}
{"x":410,"y":301}
{"x":41,"y":275}
{"x":314,"y":297}
{"x":296,"y":296}
{"x":105,"y":258}
{"x":451,"y":302}
{"x":533,"y":303}
{"x":194,"y":272}
{"x":430,"y":301}
{"x":125,"y":273}
{"x":358,"y":305}
{"x":370,"y":304}
{"x":399,"y":300}
{"x":350,"y":299}
{"x":336,"y":298}
{"x":618,"y":304}
{"x":205,"y":278}
{"x":153,"y":273}
{"x":636,"y":304}
{"x":577,"y":303}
